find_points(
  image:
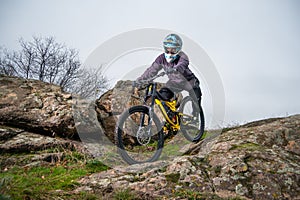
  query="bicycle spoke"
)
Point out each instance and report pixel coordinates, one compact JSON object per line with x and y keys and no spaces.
{"x":192,"y":120}
{"x":138,"y":140}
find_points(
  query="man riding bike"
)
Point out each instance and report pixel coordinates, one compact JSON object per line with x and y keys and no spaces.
{"x":175,"y":60}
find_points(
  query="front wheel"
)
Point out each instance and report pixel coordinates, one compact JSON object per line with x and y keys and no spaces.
{"x":139,"y":136}
{"x":192,"y":119}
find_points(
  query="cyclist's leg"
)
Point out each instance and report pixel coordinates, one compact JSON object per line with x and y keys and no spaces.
{"x":195,"y":93}
{"x":176,"y":89}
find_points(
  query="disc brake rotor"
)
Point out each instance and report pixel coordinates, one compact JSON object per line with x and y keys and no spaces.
{"x":142,"y":136}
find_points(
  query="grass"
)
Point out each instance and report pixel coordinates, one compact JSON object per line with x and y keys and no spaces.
{"x":174,"y":177}
{"x":191,"y":194}
{"x":247,"y":145}
{"x":125,"y":194}
{"x":37,"y":182}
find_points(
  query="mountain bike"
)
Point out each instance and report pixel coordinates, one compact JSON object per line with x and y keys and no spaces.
{"x":141,"y":131}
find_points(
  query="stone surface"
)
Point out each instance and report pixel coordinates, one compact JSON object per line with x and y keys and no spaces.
{"x":260,"y":160}
{"x":36,"y":106}
{"x":24,"y":148}
{"x":44,"y":108}
{"x":112,"y":103}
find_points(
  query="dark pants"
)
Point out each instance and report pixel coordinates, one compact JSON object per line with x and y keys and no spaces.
{"x":192,"y":86}
{"x":196,"y":93}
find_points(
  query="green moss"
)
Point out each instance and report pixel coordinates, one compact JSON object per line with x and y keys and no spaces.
{"x":174,"y":177}
{"x":163,"y":169}
{"x":95,"y":166}
{"x":125,"y":194}
{"x":249,"y":145}
{"x":207,"y":134}
{"x":191,"y":194}
{"x":218,"y":169}
{"x":171,"y":150}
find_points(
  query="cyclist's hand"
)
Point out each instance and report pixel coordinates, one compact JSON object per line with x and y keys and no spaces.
{"x":134,"y":84}
{"x":138,"y":84}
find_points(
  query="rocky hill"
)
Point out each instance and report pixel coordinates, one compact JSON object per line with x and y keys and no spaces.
{"x":42,"y":158}
{"x":259,"y":160}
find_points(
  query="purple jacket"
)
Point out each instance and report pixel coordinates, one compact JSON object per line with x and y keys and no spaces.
{"x":185,"y":75}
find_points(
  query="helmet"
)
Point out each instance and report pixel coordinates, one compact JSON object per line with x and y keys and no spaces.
{"x":172,"y":41}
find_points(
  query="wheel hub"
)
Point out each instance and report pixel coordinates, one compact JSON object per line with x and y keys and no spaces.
{"x":142,"y":136}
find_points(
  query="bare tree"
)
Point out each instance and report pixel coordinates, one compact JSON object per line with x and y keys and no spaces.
{"x":42,"y":59}
{"x":46,"y":60}
{"x":90,"y":83}
{"x":6,"y":64}
{"x":25,"y":59}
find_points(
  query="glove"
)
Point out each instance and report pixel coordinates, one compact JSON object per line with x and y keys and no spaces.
{"x":138,"y":84}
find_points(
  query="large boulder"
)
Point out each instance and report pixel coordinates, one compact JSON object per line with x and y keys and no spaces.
{"x":44,"y":108}
{"x":36,"y":106}
{"x":112,"y":103}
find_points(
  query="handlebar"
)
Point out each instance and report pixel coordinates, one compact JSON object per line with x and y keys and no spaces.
{"x":154,"y":77}
{"x":147,"y":81}
{"x":143,"y":83}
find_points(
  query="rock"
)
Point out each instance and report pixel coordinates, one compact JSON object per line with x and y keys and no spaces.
{"x":30,"y":149}
{"x":7,"y":133}
{"x":36,"y":106}
{"x":44,"y":108}
{"x":260,"y":161}
{"x":112,"y":103}
{"x":20,"y":141}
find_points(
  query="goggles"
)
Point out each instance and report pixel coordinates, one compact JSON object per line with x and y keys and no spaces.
{"x":170,"y":50}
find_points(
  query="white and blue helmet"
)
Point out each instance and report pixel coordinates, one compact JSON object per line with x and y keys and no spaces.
{"x":172,"y":41}
{"x":172,"y":46}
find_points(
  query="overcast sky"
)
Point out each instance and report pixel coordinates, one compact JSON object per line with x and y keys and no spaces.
{"x":254,"y":44}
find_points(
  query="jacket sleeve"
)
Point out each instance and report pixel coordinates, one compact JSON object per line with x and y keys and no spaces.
{"x":183,"y":63}
{"x":183,"y":67}
{"x":152,"y":70}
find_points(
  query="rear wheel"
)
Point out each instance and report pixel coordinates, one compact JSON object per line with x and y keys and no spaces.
{"x":139,"y":138}
{"x":192,"y":119}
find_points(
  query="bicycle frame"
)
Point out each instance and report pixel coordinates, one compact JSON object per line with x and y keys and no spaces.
{"x":151,"y":91}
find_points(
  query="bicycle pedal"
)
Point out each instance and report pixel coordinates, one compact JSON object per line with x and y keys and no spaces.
{"x":196,"y":118}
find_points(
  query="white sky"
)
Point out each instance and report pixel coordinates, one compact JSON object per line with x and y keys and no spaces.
{"x":254,"y":44}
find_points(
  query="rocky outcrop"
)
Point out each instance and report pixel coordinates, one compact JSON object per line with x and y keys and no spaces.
{"x":112,"y":103}
{"x":44,"y":108}
{"x":20,"y":147}
{"x":36,"y":106}
{"x":259,"y":160}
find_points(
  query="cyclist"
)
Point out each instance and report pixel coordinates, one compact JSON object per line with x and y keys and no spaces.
{"x":176,"y":63}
